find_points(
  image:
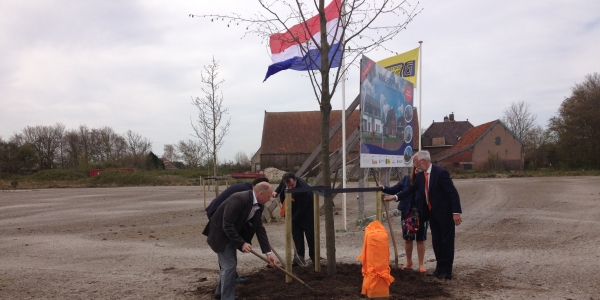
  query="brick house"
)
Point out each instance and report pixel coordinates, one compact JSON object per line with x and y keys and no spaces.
{"x":440,"y":136}
{"x":289,"y":138}
{"x":490,"y":146}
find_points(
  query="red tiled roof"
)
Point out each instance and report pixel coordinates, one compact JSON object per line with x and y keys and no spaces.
{"x":300,"y":131}
{"x":467,"y":141}
{"x":451,"y":131}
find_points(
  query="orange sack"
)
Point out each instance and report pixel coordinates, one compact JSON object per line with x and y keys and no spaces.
{"x":375,"y":259}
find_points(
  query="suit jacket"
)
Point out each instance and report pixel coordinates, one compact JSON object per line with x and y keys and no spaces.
{"x":228,"y":224}
{"x":303,"y":204}
{"x":234,"y":188}
{"x":442,"y":193}
{"x":407,"y":202}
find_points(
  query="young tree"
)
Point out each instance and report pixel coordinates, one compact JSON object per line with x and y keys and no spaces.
{"x":519,"y":119}
{"x":210,"y":127}
{"x":577,"y":126}
{"x":362,"y":25}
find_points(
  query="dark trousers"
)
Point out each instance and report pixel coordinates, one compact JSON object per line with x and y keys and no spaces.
{"x":301,"y":229}
{"x":442,"y":240}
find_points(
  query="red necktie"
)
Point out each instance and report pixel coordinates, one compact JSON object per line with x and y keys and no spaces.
{"x":427,"y":189}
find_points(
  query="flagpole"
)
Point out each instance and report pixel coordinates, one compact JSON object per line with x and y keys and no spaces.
{"x":420,"y":93}
{"x":343,"y":124}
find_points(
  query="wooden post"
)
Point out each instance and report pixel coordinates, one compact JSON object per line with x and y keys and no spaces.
{"x":227,"y":183}
{"x":317,"y":261}
{"x":378,"y":212}
{"x":204,"y":188}
{"x":288,"y":235}
{"x":216,"y":187}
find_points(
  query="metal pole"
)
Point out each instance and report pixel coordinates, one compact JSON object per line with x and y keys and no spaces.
{"x":420,"y":92}
{"x":343,"y":128}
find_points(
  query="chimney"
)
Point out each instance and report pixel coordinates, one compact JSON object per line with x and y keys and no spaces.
{"x":452,"y":117}
{"x":445,"y":118}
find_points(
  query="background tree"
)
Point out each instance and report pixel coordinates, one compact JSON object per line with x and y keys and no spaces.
{"x":519,"y":119}
{"x":191,"y":152}
{"x":138,"y":147}
{"x":577,"y":126}
{"x":170,"y":152}
{"x":241,"y":159}
{"x":153,"y":162}
{"x":45,"y":141}
{"x":363,"y":25}
{"x":210,"y":127}
{"x":16,"y":157}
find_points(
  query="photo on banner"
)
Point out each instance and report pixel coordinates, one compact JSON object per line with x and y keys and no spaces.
{"x":387,"y":117}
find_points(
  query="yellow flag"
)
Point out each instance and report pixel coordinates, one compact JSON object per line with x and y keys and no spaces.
{"x":403,"y":64}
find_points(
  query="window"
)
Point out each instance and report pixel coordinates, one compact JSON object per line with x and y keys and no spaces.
{"x":497,"y":140}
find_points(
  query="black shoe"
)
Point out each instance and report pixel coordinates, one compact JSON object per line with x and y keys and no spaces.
{"x":434,"y":274}
{"x":242,"y":279}
{"x":443,"y":276}
{"x":294,"y":264}
{"x":218,"y":296}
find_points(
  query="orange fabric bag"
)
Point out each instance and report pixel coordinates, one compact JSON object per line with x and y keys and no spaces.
{"x":282,"y":210}
{"x":375,"y":259}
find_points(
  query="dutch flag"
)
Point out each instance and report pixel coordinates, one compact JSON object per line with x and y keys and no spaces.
{"x":301,"y":54}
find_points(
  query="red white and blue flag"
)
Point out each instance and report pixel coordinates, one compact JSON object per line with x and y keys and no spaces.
{"x":296,"y":50}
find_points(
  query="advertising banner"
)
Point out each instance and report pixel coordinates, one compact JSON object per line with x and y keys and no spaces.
{"x":387,"y":137}
{"x":404,"y":65}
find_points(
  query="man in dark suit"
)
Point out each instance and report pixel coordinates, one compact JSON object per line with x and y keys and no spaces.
{"x":232,"y":227}
{"x":442,"y":208}
{"x":303,"y":223}
{"x":232,"y":189}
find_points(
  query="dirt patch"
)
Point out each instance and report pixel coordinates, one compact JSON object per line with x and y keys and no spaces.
{"x":346,"y":284}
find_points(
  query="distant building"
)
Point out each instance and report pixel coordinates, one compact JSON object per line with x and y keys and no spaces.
{"x":490,"y":146}
{"x":440,"y":136}
{"x":289,"y":138}
{"x":169,"y":165}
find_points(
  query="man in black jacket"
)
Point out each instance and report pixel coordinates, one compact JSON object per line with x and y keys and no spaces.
{"x":302,"y":214}
{"x":232,"y":227}
{"x":234,"y":188}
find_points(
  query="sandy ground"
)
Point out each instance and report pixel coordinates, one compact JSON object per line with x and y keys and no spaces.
{"x":521,"y":238}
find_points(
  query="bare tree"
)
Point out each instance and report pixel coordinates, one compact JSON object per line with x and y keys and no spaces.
{"x":191,"y":152}
{"x":519,"y":119}
{"x":210,"y":127}
{"x":242,"y":159}
{"x":45,"y":141}
{"x":138,"y":147}
{"x":362,"y":26}
{"x":170,"y":153}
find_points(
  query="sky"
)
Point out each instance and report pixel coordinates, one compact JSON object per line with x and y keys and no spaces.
{"x":135,"y":65}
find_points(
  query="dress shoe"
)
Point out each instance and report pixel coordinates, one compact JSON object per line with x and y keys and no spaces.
{"x":218,"y":296}
{"x":242,"y":279}
{"x":442,"y":276}
{"x":434,"y":274}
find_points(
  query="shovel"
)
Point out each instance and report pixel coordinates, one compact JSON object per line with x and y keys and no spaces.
{"x":283,"y":270}
{"x":387,"y":215}
{"x":299,"y":260}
